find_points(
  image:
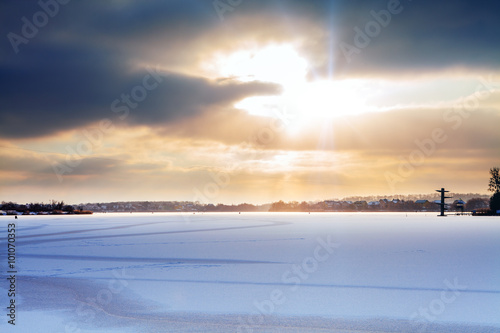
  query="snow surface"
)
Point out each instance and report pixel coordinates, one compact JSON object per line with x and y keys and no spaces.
{"x":254,"y":272}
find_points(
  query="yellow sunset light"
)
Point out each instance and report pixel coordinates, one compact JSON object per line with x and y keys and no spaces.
{"x":301,"y":100}
{"x":327,"y":99}
{"x":277,"y":63}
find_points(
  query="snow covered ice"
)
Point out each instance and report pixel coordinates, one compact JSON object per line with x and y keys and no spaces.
{"x":254,"y":272}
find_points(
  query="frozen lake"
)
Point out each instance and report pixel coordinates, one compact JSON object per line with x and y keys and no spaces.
{"x":254,"y":272}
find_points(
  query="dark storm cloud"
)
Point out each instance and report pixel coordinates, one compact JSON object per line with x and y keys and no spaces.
{"x":67,"y":76}
{"x":65,"y":88}
{"x":56,"y":85}
{"x":180,"y":96}
{"x":429,"y":35}
{"x":56,"y":88}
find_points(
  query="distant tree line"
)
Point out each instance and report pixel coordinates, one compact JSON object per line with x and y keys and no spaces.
{"x":382,"y":205}
{"x":54,"y":207}
{"x":377,"y":206}
{"x":480,"y":203}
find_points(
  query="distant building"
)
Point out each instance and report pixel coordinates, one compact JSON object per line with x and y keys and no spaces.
{"x":460,"y":204}
{"x":329,"y":203}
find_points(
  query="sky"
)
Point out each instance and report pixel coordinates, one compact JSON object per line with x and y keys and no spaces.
{"x":232,"y":101}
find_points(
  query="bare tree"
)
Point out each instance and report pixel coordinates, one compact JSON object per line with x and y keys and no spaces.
{"x":494,"y":185}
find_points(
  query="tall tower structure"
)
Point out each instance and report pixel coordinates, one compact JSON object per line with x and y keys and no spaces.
{"x":442,"y":204}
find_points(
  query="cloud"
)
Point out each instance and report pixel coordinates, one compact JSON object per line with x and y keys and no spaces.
{"x":393,"y":130}
{"x":425,"y":36}
{"x":59,"y":88}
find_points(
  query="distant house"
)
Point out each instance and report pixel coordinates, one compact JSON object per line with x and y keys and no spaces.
{"x":459,"y":205}
{"x":421,"y":202}
{"x":329,"y":203}
{"x":373,"y":203}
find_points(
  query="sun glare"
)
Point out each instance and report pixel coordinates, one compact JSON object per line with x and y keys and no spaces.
{"x":278,"y":63}
{"x":327,"y":99}
{"x":301,"y":99}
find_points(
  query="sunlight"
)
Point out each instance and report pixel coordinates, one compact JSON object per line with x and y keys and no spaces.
{"x":277,"y":63}
{"x":305,"y":101}
{"x":327,"y":99}
{"x":301,"y":101}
